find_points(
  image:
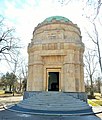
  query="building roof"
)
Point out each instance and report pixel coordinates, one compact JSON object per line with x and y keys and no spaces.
{"x":57,"y":18}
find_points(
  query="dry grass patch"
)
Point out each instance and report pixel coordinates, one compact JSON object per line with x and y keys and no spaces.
{"x":92,"y":103}
{"x":2,"y":92}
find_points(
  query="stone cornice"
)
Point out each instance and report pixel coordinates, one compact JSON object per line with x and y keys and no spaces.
{"x":72,"y":31}
{"x":74,"y":63}
{"x":41,"y":25}
{"x":72,"y":45}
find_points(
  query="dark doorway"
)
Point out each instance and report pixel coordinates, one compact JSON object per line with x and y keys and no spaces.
{"x":53,"y":81}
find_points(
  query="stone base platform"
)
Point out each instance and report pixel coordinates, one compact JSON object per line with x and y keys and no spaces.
{"x":53,"y":103}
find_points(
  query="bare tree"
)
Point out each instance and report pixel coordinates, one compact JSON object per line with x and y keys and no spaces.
{"x":15,"y":65}
{"x":23,"y":72}
{"x":24,"y":69}
{"x":9,"y":44}
{"x":96,"y":40}
{"x":98,"y":84}
{"x":93,"y":5}
{"x":98,"y":7}
{"x":90,"y":66}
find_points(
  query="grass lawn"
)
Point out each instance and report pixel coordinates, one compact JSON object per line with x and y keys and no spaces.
{"x":95,"y":102}
{"x":2,"y":92}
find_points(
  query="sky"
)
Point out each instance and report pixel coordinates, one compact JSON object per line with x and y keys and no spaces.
{"x":25,"y":15}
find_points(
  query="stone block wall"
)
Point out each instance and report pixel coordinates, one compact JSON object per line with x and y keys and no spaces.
{"x":56,"y":47}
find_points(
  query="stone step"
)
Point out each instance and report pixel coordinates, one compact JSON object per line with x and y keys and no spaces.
{"x":53,"y":101}
{"x":50,"y":100}
{"x":55,"y":104}
{"x":53,"y":108}
{"x":52,"y":96}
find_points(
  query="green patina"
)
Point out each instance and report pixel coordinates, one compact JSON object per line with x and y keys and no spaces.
{"x":58,"y":18}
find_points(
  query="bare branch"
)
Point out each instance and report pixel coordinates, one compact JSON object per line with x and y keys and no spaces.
{"x":98,"y":8}
{"x":91,"y":38}
{"x":90,"y":66}
{"x":64,"y":2}
{"x":9,"y":44}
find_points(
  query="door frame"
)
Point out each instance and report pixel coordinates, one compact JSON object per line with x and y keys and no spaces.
{"x":47,"y":76}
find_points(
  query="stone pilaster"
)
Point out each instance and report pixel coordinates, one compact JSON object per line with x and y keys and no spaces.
{"x":69,"y":79}
{"x":77,"y":77}
{"x":37,"y":81}
{"x":82,"y":79}
{"x":69,"y":75}
{"x":30,"y":78}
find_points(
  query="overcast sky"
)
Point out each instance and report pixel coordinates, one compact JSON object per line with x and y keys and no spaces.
{"x":24,"y":15}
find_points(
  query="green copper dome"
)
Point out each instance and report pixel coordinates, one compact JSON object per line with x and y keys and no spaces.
{"x":57,"y":18}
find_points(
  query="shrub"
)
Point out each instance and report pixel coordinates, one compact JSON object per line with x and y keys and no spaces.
{"x":8,"y":92}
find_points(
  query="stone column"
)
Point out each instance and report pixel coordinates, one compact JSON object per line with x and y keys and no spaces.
{"x":69,"y":79}
{"x":82,"y":71}
{"x":69,"y":75}
{"x":30,"y":72}
{"x":77,"y":77}
{"x":82,"y":79}
{"x":30,"y":76}
{"x":37,"y":81}
{"x":79,"y":71}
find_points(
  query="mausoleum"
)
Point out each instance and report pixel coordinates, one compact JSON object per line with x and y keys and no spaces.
{"x":55,"y":84}
{"x":56,"y":57}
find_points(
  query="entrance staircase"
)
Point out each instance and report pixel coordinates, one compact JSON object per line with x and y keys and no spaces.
{"x":53,"y":103}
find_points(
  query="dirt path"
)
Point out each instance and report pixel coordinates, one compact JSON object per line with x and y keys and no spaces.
{"x":10,"y":100}
{"x":98,"y":109}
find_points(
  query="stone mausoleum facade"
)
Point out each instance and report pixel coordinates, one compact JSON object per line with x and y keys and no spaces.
{"x":55,"y":84}
{"x":56,"y":57}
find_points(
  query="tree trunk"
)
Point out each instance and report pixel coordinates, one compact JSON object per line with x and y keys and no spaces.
{"x":91,"y":90}
{"x":13,"y":89}
{"x":10,"y":88}
{"x":99,"y":55}
{"x":99,"y":84}
{"x":20,"y":85}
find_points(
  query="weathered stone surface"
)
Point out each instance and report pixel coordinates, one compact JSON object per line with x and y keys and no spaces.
{"x":55,"y":64}
{"x":53,"y":103}
{"x":56,"y":47}
{"x":9,"y":115}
